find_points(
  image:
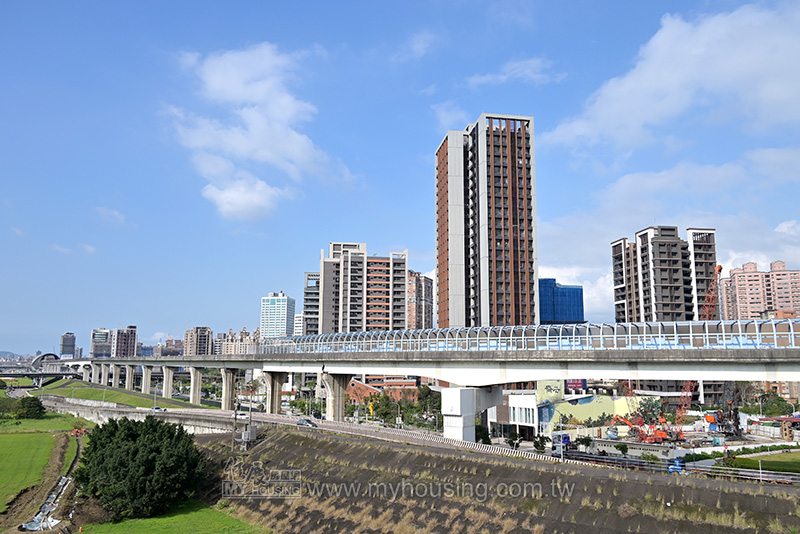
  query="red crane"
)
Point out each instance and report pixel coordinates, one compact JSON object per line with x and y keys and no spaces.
{"x":712,"y":296}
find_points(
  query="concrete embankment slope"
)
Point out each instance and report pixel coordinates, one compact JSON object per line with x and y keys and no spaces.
{"x":351,"y":484}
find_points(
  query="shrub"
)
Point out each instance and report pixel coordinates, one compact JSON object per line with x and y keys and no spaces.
{"x":140,"y":468}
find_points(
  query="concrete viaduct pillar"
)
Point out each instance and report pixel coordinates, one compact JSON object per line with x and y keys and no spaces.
{"x":460,"y":405}
{"x":336,"y":386}
{"x":196,"y":381}
{"x":106,"y":368}
{"x":273,"y":389}
{"x":115,"y":370}
{"x":87,"y":373}
{"x":166,"y":388}
{"x":129,"y":374}
{"x":95,"y":373}
{"x":228,"y":388}
{"x":147,"y":373}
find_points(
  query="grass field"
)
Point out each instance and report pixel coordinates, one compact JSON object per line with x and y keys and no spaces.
{"x":109,"y":395}
{"x":69,"y":455}
{"x":50,"y":422}
{"x":786,"y":461}
{"x":21,"y":381}
{"x":82,"y":390}
{"x":23,"y":461}
{"x":191,"y":517}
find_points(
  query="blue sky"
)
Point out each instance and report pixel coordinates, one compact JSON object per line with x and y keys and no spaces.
{"x":164,"y":163}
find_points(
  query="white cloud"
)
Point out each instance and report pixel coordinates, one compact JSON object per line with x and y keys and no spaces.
{"x":89,"y":249}
{"x":61,"y":250}
{"x":110,"y":216}
{"x":532,"y":70}
{"x":789,"y":227}
{"x":17,"y":231}
{"x":157,"y":337}
{"x":450,"y":116}
{"x":416,"y":46}
{"x":428,"y":91}
{"x":739,"y":65}
{"x":262,"y":128}
{"x":244,"y":198}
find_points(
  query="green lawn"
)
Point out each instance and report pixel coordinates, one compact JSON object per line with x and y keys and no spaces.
{"x":22,"y":462}
{"x":191,"y":517}
{"x":20,"y":381}
{"x":50,"y":422}
{"x":69,"y":456}
{"x":81,"y":390}
{"x":786,"y":461}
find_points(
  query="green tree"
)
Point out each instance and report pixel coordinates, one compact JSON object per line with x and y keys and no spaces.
{"x":540,"y":442}
{"x":140,"y":468}
{"x":622,"y":448}
{"x":482,"y":435}
{"x":28,"y":408}
{"x":512,"y":439}
{"x":649,"y":409}
{"x":2,"y":384}
{"x":586,"y":441}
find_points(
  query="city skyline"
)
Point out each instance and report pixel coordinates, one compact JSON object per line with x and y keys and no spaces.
{"x":133,"y":136}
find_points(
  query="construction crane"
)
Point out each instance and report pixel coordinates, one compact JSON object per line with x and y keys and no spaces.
{"x":709,"y":307}
{"x":712,"y":296}
{"x":170,"y":338}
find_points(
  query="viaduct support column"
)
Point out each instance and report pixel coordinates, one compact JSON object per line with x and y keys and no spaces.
{"x":106,"y":369}
{"x":459,"y":406}
{"x":166,"y":388}
{"x":336,"y":386}
{"x":147,"y":373}
{"x":87,"y":373}
{"x":95,"y":373}
{"x":115,"y":375}
{"x":273,"y":389}
{"x":129,"y":373}
{"x":228,"y":388}
{"x":196,"y":377}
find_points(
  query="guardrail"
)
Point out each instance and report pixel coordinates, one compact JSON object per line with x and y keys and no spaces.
{"x":766,"y":334}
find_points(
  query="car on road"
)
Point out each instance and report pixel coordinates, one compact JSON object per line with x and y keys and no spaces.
{"x":158,"y":409}
{"x":306,"y":422}
{"x":240,"y":415}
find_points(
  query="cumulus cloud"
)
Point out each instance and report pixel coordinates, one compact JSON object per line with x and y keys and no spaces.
{"x":450,"y":116}
{"x":89,"y":249}
{"x":112,"y":217}
{"x":416,"y":46}
{"x":532,"y":70}
{"x":60,"y":249}
{"x":740,"y":65}
{"x":260,"y":133}
{"x":789,"y":227}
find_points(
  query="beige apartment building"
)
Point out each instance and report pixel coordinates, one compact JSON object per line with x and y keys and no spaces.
{"x":748,"y":293}
{"x":358,"y":292}
{"x":198,"y":340}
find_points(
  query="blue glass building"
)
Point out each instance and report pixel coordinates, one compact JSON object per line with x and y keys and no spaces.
{"x":560,"y":304}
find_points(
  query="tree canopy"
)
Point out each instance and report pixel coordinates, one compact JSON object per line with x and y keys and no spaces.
{"x":140,"y":468}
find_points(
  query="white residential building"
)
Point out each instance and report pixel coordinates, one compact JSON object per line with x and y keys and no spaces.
{"x":277,"y":315}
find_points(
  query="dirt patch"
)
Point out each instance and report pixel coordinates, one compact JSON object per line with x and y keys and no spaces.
{"x":28,"y":501}
{"x":358,"y":485}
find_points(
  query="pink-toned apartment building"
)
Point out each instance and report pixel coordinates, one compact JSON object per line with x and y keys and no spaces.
{"x":752,"y":294}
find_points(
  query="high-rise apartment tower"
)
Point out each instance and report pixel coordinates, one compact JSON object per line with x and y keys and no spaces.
{"x":277,"y":315}
{"x":361,"y":293}
{"x":661,"y":277}
{"x":311,"y":304}
{"x":123,"y":342}
{"x":749,"y":293}
{"x":420,"y":301}
{"x":486,"y":251}
{"x":198,"y":341}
